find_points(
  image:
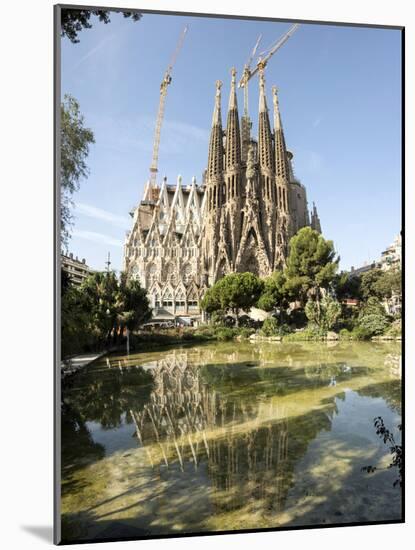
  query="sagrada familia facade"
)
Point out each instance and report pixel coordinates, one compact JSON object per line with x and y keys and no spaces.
{"x":241,"y":218}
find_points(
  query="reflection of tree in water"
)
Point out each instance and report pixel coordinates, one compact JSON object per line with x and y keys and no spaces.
{"x":390,"y":390}
{"x":76,"y":441}
{"x":190,"y":422}
{"x":107,"y":394}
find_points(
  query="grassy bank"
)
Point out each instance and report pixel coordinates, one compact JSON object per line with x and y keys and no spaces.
{"x":147,"y":340}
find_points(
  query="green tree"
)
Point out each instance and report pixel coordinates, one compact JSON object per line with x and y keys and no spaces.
{"x":372,"y":318}
{"x":135,"y":307}
{"x":368,"y":282}
{"x":98,"y":311}
{"x":274,"y":295}
{"x":102,"y":301}
{"x":389,"y":283}
{"x":73,"y":20}
{"x":211,"y":302}
{"x":233,"y":292}
{"x":76,"y":332}
{"x":115,"y":304}
{"x":347,"y":285}
{"x":75,"y":142}
{"x":311,"y":265}
{"x":269,"y":327}
{"x":325,"y":313}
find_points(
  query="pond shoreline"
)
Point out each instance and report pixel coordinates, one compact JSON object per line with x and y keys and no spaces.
{"x":163,"y":341}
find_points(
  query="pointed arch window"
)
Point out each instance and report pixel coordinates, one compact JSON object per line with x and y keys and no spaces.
{"x":192,"y":299}
{"x":151,"y":274}
{"x":168,"y":299}
{"x":171,"y":274}
{"x":180,"y":300}
{"x":156,"y":299}
{"x":187,"y":274}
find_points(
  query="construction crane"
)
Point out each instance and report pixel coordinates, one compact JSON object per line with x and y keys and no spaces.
{"x":163,"y":93}
{"x":261,"y":64}
{"x":243,"y":83}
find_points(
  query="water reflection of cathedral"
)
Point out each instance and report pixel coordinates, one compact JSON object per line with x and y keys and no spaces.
{"x":186,"y":422}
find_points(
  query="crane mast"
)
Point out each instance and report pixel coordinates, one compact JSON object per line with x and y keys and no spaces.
{"x":246,"y":75}
{"x":160,"y":115}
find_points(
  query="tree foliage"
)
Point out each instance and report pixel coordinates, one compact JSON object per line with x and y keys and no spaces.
{"x":311,"y":264}
{"x":347,"y":285}
{"x":100,"y":309}
{"x":395,"y":450}
{"x":73,"y":20}
{"x":324,"y":313}
{"x":373,"y":318}
{"x":75,"y":142}
{"x":233,"y":292}
{"x":274,"y":294}
{"x":389,"y":283}
{"x":381,"y":284}
{"x":368,"y":282}
{"x":270,"y":327}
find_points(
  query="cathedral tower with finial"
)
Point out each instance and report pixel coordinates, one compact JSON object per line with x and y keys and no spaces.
{"x":214,"y":194}
{"x":254,"y":203}
{"x":282,"y":184}
{"x":185,"y":237}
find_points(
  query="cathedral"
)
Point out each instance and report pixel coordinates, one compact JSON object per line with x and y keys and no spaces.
{"x":241,"y":218}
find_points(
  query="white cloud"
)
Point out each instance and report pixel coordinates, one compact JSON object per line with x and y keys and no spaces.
{"x":95,"y":237}
{"x":99,"y":214}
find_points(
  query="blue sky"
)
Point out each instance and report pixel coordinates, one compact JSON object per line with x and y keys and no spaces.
{"x":340,"y":98}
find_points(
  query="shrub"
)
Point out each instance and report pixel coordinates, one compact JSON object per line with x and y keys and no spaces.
{"x":284,"y":329}
{"x":269,"y":327}
{"x":246,"y":332}
{"x":188,"y":336}
{"x":324,"y":313}
{"x":217,"y":317}
{"x":360,"y":333}
{"x":224,"y":334}
{"x":374,"y":323}
{"x":395,"y":329}
{"x":345,"y":334}
{"x":310,"y":333}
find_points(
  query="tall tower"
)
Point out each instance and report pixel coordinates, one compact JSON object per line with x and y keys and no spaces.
{"x":266,"y":169}
{"x":214,"y":190}
{"x":252,"y":204}
{"x":315,"y":220}
{"x":233,"y":181}
{"x":282,"y":181}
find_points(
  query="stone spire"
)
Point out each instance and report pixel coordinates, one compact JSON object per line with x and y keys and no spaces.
{"x":315,"y":220}
{"x":215,"y":158}
{"x":281,"y":160}
{"x":284,"y":229}
{"x":266,"y":156}
{"x":233,"y":180}
{"x":213,"y":194}
{"x":233,"y":136}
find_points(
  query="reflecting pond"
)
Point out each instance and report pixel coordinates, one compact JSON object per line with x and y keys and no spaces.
{"x":229,"y":436}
